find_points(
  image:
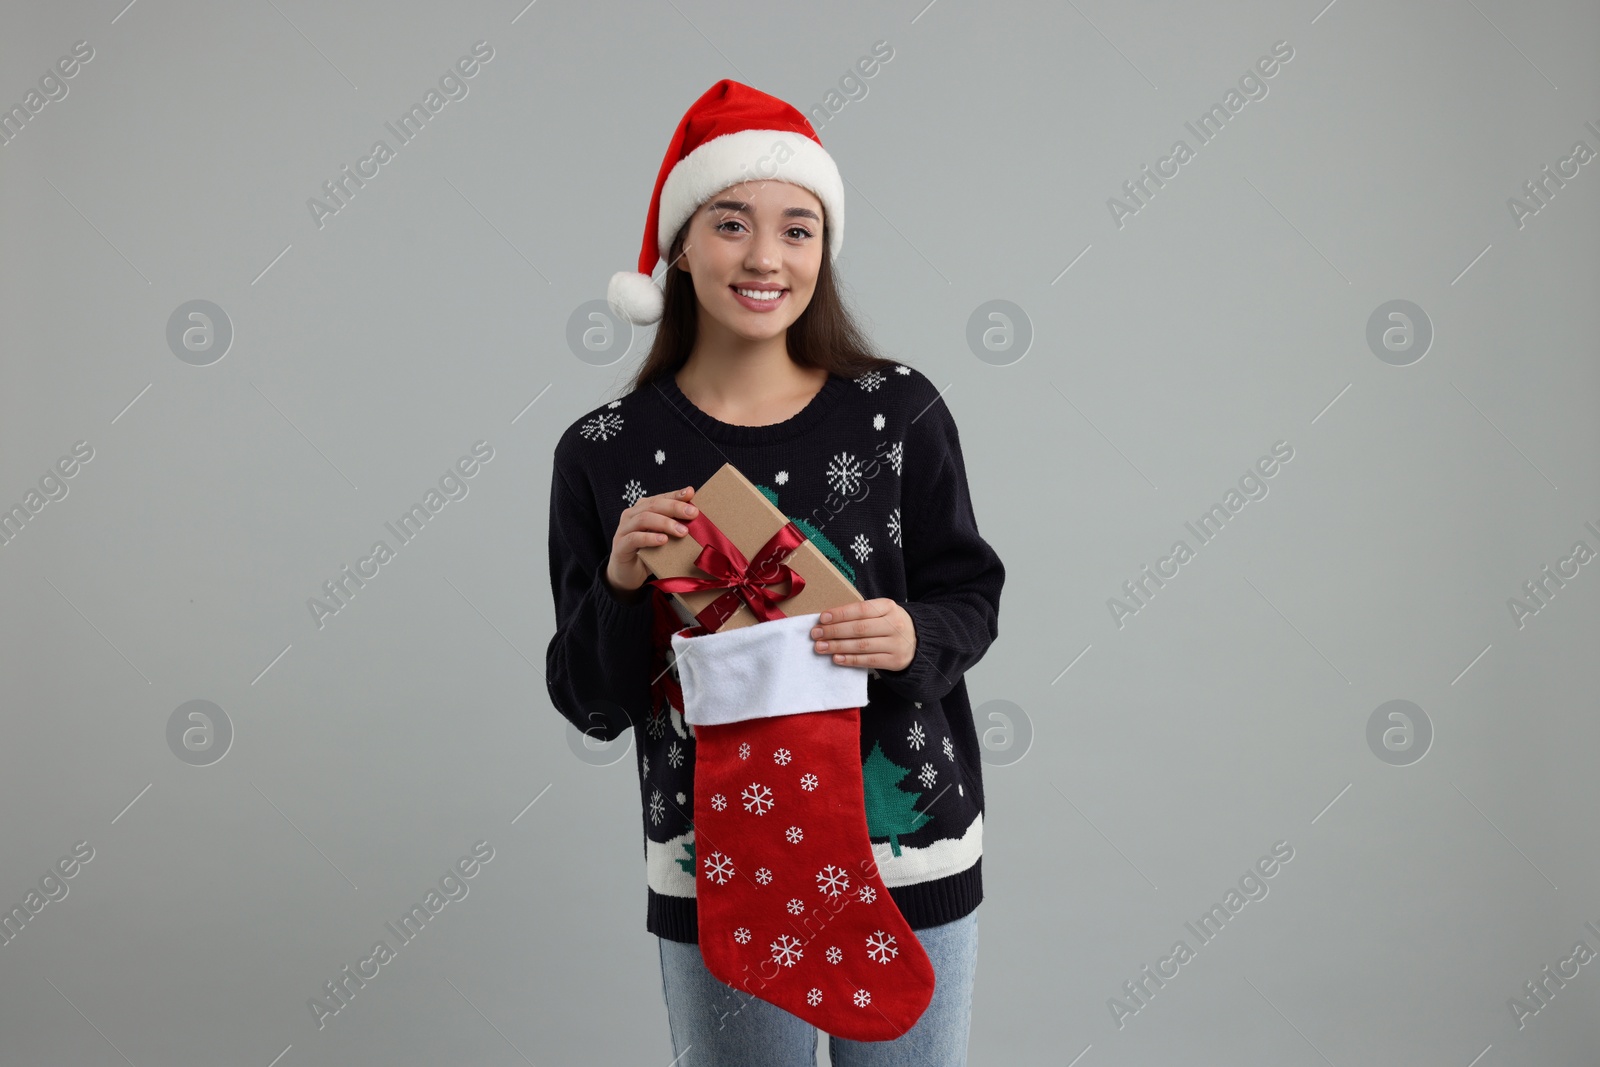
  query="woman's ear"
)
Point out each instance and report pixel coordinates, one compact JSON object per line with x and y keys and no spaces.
{"x":676,"y":254}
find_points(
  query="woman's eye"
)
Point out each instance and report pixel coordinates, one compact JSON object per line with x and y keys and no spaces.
{"x":791,"y":231}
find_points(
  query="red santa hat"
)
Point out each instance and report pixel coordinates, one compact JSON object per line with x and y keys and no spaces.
{"x":732,"y":134}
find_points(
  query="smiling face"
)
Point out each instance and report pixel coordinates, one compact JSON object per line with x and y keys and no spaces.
{"x":754,"y":250}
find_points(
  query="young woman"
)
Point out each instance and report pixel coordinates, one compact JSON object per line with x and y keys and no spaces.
{"x":756,"y":362}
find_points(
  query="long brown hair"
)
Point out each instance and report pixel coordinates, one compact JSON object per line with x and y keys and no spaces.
{"x":824,"y":335}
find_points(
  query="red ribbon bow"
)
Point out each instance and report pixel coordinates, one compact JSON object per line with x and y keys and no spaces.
{"x":748,"y":580}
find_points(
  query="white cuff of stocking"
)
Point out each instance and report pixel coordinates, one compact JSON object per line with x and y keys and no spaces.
{"x":753,"y":672}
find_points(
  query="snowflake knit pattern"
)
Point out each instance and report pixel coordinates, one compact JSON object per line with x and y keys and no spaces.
{"x":871,"y":471}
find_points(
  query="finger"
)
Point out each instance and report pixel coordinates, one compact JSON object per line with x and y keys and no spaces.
{"x":676,"y":503}
{"x":849,"y":635}
{"x":633,"y":542}
{"x":878,"y":660}
{"x":843,"y":612}
{"x":857,"y":609}
{"x":877,"y":643}
{"x":656,"y":522}
{"x":870,"y":618}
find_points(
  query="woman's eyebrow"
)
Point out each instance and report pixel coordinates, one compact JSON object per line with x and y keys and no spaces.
{"x":788,"y":212}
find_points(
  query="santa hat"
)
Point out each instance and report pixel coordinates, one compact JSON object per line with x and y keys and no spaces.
{"x":733,"y":133}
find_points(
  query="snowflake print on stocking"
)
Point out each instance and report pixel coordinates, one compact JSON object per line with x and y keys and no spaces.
{"x":786,"y":951}
{"x":757,"y":798}
{"x":790,"y":903}
{"x":880,"y":947}
{"x":719,"y":868}
{"x":832,"y":880}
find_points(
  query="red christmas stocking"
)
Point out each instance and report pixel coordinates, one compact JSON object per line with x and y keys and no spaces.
{"x":790,"y":904}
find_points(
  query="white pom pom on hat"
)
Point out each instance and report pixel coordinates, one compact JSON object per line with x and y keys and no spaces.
{"x":733,"y":133}
{"x":635,"y":297}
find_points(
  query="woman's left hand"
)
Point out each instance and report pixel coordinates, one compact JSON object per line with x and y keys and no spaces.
{"x":869,"y":633}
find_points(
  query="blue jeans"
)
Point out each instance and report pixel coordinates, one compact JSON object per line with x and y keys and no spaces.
{"x":719,"y":1026}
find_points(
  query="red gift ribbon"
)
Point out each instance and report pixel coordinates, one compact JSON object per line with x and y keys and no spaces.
{"x":743,"y":579}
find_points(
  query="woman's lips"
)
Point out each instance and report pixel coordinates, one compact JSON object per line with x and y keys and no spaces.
{"x":758,"y":305}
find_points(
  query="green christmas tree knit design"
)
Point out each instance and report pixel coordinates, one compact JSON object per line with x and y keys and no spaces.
{"x":816,"y":537}
{"x":891,"y":811}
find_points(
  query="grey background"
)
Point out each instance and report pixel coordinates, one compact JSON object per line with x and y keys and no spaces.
{"x":432,"y":312}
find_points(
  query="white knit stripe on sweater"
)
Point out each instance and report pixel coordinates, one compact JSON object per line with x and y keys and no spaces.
{"x":941,"y":859}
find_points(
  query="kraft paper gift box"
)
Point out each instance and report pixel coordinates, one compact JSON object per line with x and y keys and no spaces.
{"x":733,"y":505}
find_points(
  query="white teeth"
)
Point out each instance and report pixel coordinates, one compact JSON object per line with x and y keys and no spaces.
{"x":760,"y":294}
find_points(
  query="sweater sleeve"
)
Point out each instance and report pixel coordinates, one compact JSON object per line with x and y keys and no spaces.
{"x":597,"y":666}
{"x":953,"y":576}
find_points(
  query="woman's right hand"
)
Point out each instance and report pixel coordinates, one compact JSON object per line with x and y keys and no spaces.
{"x":648,"y":522}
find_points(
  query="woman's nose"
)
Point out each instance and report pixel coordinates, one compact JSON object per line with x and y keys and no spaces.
{"x":765,"y":254}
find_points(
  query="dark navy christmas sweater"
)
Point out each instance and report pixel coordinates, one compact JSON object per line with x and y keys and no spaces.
{"x":871,"y":472}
